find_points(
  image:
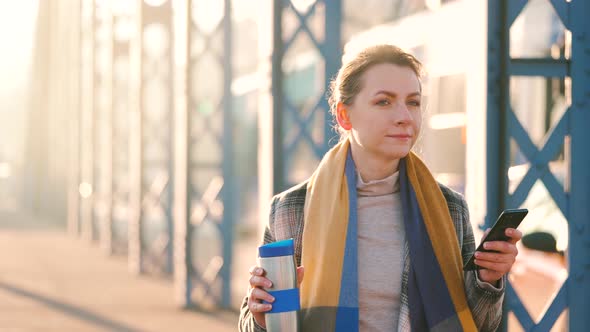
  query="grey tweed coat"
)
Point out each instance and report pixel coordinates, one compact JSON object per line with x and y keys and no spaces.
{"x":485,"y":301}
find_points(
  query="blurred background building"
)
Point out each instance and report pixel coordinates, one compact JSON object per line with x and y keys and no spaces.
{"x":160,"y":129}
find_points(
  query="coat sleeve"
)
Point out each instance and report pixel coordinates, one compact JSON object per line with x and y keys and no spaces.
{"x":247,"y":323}
{"x":485,"y":300}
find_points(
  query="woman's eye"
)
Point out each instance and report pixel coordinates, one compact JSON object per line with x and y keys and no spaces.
{"x":415,"y":103}
{"x":383,"y":102}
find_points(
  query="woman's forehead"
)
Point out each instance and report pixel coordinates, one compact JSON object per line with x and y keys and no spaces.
{"x":389,"y":77}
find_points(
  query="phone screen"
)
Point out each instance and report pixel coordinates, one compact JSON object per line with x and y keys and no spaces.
{"x":508,"y":219}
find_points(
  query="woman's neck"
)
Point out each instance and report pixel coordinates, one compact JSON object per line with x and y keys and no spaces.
{"x":372,"y":167}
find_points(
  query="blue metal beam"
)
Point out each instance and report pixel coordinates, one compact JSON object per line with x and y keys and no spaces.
{"x":221,"y":107}
{"x":333,"y":54}
{"x":562,"y":8}
{"x":520,"y":135}
{"x":497,"y":106}
{"x":330,"y":49}
{"x":135,"y":254}
{"x":514,"y":9}
{"x":228,"y":191}
{"x":278,"y":50}
{"x":555,"y":190}
{"x":304,"y":127}
{"x":516,"y":306}
{"x":535,"y":67}
{"x":157,"y":124}
{"x":558,"y":305}
{"x":554,"y":142}
{"x":304,"y":28}
{"x":573,"y":202}
{"x":579,"y":207}
{"x":524,"y":187}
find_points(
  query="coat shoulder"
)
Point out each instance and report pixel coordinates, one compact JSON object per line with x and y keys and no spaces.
{"x":451,"y":196}
{"x":292,"y":196}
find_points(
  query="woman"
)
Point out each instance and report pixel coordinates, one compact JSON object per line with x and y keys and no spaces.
{"x":383,"y":244}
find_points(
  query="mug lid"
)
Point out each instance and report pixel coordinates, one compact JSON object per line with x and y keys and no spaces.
{"x":276,"y":249}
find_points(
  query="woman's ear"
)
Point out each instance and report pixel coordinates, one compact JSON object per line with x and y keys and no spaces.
{"x":342,"y":117}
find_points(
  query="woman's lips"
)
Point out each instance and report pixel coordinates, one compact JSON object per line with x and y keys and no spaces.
{"x":404,"y":137}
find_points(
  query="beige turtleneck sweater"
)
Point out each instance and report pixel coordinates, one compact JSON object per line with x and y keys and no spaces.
{"x":381,"y":237}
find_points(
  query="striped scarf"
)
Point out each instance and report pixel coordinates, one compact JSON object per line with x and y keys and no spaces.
{"x":329,"y":292}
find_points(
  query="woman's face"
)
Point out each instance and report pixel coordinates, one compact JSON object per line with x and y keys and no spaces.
{"x":386,"y":114}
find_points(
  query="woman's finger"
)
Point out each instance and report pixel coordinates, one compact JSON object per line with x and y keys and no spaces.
{"x":257,"y":281}
{"x":495,"y":257}
{"x":258,"y":294}
{"x":256,"y":307}
{"x":497,"y":267}
{"x":300,"y":273}
{"x":502,"y":247}
{"x":514,"y":234}
{"x":255,"y":297}
{"x":256,"y":270}
{"x":485,"y":274}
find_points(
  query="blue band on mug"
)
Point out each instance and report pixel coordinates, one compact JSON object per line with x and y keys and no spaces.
{"x":285,"y":300}
{"x":277,"y":249}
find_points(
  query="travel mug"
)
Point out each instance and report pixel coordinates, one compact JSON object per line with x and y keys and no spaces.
{"x":278,"y":260}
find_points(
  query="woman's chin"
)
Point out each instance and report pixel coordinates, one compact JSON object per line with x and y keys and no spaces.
{"x":396,"y":153}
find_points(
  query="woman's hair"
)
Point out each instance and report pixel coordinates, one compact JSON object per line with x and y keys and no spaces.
{"x":348,"y":82}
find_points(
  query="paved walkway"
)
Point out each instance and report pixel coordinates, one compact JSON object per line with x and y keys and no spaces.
{"x":50,"y":281}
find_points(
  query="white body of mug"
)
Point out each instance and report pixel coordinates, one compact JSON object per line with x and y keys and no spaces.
{"x":278,"y":260}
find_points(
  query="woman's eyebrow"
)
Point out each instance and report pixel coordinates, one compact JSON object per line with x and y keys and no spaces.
{"x":385,"y":92}
{"x":393,"y":94}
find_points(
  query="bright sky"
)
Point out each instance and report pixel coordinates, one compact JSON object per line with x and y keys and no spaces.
{"x":17,"y":24}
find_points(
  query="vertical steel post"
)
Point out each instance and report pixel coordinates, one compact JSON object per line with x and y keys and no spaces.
{"x":277,"y":97}
{"x":87,"y":124}
{"x":182,"y":262}
{"x":229,"y":191}
{"x":328,"y":45}
{"x":74,"y":123}
{"x":135,"y":141}
{"x":571,"y":199}
{"x":579,"y":209}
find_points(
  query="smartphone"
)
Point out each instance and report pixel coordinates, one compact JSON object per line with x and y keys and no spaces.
{"x":508,"y":219}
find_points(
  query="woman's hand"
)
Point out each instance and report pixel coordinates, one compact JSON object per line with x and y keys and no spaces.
{"x":256,"y":294}
{"x":496,"y":264}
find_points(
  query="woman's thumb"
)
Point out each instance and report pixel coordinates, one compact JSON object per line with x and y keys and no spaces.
{"x":300,"y":272}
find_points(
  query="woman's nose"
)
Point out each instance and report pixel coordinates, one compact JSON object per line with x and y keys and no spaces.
{"x":401,"y":114}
